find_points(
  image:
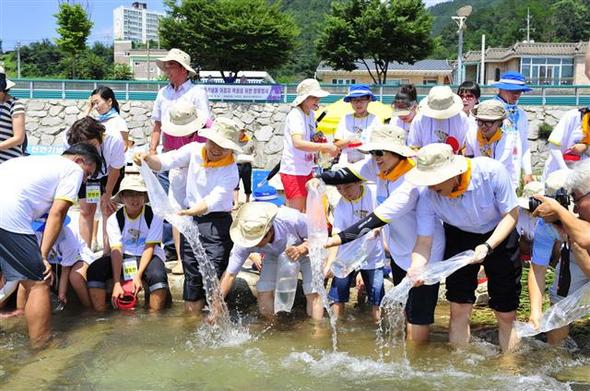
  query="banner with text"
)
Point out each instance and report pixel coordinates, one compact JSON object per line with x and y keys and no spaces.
{"x":245,"y":92}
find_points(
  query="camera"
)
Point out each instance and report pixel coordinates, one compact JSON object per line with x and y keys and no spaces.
{"x":560,"y":196}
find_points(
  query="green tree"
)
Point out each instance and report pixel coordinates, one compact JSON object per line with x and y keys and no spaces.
{"x":230,"y":35}
{"x":74,"y":28}
{"x":121,"y":72}
{"x":376,"y":31}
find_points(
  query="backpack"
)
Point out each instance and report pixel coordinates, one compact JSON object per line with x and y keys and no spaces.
{"x":148,"y":214}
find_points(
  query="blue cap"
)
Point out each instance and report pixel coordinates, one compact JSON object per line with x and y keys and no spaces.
{"x":268,"y":193}
{"x":358,"y":91}
{"x":512,"y":81}
{"x":38,"y":224}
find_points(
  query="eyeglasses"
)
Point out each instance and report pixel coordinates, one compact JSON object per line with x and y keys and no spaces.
{"x":377,"y":153}
{"x":481,"y":122}
{"x":577,"y":200}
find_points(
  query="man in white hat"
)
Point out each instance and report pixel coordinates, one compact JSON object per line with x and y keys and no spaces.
{"x":396,"y":209}
{"x":209,"y":187}
{"x":262,"y":227}
{"x":478,"y":206}
{"x":440,"y":119}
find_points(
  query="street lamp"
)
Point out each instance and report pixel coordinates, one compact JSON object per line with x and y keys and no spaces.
{"x":462,"y":14}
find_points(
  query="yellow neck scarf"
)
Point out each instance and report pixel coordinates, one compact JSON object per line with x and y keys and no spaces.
{"x":485,"y":145}
{"x":226,"y":161}
{"x":464,"y":183}
{"x":399,"y":170}
{"x":244,"y":138}
{"x":586,"y":129}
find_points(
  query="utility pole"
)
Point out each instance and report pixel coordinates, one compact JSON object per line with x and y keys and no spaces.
{"x":148,"y":59}
{"x":528,"y":26}
{"x":460,"y":19}
{"x":18,"y":59}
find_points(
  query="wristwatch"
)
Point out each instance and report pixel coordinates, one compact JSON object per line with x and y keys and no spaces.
{"x":490,"y":249}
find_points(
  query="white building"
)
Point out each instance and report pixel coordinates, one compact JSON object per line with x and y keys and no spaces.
{"x":136,"y":23}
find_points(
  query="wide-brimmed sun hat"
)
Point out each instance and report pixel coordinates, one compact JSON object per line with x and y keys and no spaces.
{"x":435,"y":163}
{"x":5,"y":84}
{"x":183,"y":119}
{"x":267,"y":193}
{"x":225,"y":133}
{"x":358,"y":91}
{"x":529,"y":190}
{"x":441,"y":103}
{"x":490,"y":110}
{"x":387,"y":137}
{"x":132,"y":182}
{"x":402,"y":105}
{"x":512,"y":81}
{"x":252,"y":222}
{"x":180,"y":57}
{"x":556,"y":180}
{"x":307,"y":88}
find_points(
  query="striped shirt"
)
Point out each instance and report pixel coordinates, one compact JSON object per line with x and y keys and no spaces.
{"x":8,"y":110}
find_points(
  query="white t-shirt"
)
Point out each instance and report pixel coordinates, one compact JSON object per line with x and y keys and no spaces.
{"x":287,"y":223}
{"x":566,"y":133}
{"x":351,"y":127}
{"x":215,"y":185}
{"x":348,"y":212}
{"x":397,"y":121}
{"x":487,"y":199}
{"x":30,"y":184}
{"x":396,"y":206}
{"x":69,"y":247}
{"x":116,"y":124}
{"x":136,"y":234}
{"x":293,"y":160}
{"x":516,"y":126}
{"x":426,"y":130}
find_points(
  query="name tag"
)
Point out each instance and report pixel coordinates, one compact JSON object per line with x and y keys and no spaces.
{"x":129,"y":268}
{"x":92,"y":192}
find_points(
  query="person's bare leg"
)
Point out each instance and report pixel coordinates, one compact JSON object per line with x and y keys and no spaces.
{"x":98,"y":298}
{"x":194,"y":307}
{"x":266,"y":304}
{"x":376,"y":313}
{"x":315,"y":308}
{"x":459,"y":328}
{"x":338,"y":309}
{"x":158,"y":299}
{"x":78,"y":281}
{"x":418,"y":333}
{"x":506,"y":335}
{"x":37,"y":311}
{"x":86,"y":221}
{"x":22,"y":295}
{"x":176,"y":238}
{"x":94,"y":241}
{"x":557,"y":336}
{"x":297,"y":203}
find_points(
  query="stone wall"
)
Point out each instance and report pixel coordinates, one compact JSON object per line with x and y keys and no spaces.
{"x":47,"y":119}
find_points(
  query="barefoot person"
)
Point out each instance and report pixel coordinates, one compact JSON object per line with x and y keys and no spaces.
{"x":31,"y":187}
{"x":475,"y":200}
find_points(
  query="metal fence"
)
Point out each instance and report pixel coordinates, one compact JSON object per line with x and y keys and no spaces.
{"x":574,"y":95}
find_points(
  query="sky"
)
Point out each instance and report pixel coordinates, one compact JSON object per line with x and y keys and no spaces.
{"x":32,"y":20}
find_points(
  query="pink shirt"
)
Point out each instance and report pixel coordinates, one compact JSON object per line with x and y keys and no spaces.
{"x":173,"y":142}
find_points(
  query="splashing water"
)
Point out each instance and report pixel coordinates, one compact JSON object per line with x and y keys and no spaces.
{"x":351,"y":255}
{"x":573,"y":307}
{"x":317,"y":236}
{"x":391,"y":332}
{"x":222,"y":332}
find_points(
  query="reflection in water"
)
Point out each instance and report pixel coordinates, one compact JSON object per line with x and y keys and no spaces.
{"x":147,"y":351}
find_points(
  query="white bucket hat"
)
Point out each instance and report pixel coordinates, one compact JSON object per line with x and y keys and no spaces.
{"x":9,"y":84}
{"x":180,"y":57}
{"x":435,"y":163}
{"x":529,"y":190}
{"x":556,"y":180}
{"x":131,"y":182}
{"x":441,"y":103}
{"x":225,"y":133}
{"x":490,"y":110}
{"x":387,"y":138}
{"x":183,"y":119}
{"x":307,"y":88}
{"x":252,"y":222}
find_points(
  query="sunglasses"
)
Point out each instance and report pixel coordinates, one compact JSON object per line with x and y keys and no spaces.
{"x":486,"y":123}
{"x":580,"y":198}
{"x":377,"y":153}
{"x":467,"y":96}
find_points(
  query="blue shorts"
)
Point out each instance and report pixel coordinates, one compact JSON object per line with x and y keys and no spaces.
{"x":20,"y":257}
{"x":373,"y":279}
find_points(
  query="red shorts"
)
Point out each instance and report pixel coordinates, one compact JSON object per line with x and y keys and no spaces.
{"x":294,"y":185}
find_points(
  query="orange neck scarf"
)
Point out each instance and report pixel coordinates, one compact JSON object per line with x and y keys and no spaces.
{"x":226,"y":161}
{"x":244,"y":138}
{"x":464,"y":183}
{"x":485,"y":145}
{"x":402,"y":167}
{"x":586,"y":129}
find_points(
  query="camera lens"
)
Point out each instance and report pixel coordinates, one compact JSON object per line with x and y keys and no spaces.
{"x":533,"y":204}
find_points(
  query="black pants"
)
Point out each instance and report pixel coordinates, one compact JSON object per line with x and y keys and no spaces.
{"x":502,"y":267}
{"x":214,"y":235}
{"x":245,"y":170}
